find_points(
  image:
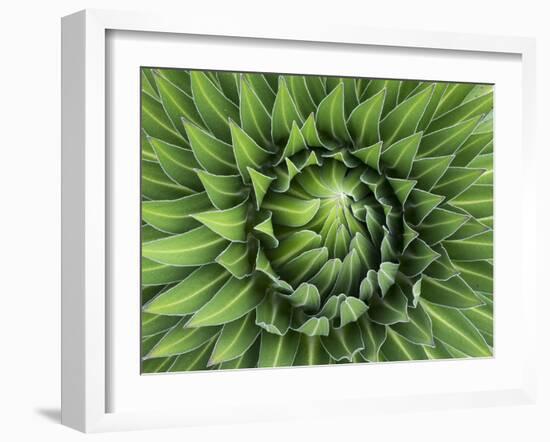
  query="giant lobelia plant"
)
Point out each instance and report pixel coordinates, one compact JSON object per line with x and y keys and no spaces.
{"x":296,"y":220}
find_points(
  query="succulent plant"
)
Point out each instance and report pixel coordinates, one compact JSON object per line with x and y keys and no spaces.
{"x":293,"y":220}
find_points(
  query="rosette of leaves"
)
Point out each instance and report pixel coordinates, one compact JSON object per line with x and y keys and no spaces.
{"x":302,"y":220}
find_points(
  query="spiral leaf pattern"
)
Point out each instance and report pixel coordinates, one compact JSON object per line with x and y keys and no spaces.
{"x":305,"y":220}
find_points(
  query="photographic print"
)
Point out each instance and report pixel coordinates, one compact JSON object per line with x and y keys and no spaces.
{"x":303,"y":220}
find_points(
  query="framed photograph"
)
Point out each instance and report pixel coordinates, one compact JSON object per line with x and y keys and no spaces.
{"x":280,"y":209}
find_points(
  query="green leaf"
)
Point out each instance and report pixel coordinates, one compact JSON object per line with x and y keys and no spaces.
{"x":456,"y":180}
{"x":196,"y":247}
{"x":386,"y":276}
{"x":178,"y":77}
{"x":177,"y":163}
{"x":156,"y":123}
{"x":391,"y":309}
{"x":311,"y":352}
{"x":264,"y":230}
{"x":278,"y":351}
{"x":274,"y":314}
{"x":154,"y":273}
{"x":454,"y":95}
{"x":366,"y":252}
{"x":284,"y":114}
{"x":310,"y":133}
{"x":402,"y":121}
{"x":314,"y":326}
{"x":418,"y":329}
{"x":157,"y":365}
{"x":452,"y":328}
{"x":442,"y":268}
{"x":416,"y":258}
{"x":363,"y":123}
{"x":213,"y":106}
{"x":292,"y":246}
{"x":234,"y":300}
{"x":255,"y":118}
{"x":325,"y":278}
{"x":182,"y":340}
{"x":330,"y":116}
{"x":344,"y":342}
{"x":453,"y":292}
{"x":174,"y":215}
{"x":475,"y":248}
{"x":213,"y":155}
{"x":477,"y":274}
{"x":235,"y":339}
{"x":190,"y":294}
{"x":392,"y":91}
{"x":177,"y":104}
{"x":428,"y":171}
{"x":398,"y":158}
{"x":194,"y":360}
{"x":290,"y":211}
{"x":402,"y":188}
{"x":156,"y":185}
{"x":295,"y":143}
{"x":439,"y":90}
{"x":448,"y":140}
{"x":249,"y":359}
{"x":374,"y":336}
{"x":348,"y":279}
{"x":477,"y":201}
{"x":420,"y":204}
{"x":224,"y":191}
{"x":306,"y":296}
{"x":236,"y":259}
{"x":230,"y":85}
{"x":351,"y":309}
{"x":473,"y":146}
{"x":153,"y":324}
{"x":300,"y":94}
{"x":247,"y":153}
{"x":370,"y":155}
{"x":396,"y":348}
{"x":439,"y":225}
{"x":265,"y":91}
{"x":482,"y":317}
{"x":469,"y":109}
{"x":304,"y":266}
{"x":260,"y":184}
{"x":229,"y":223}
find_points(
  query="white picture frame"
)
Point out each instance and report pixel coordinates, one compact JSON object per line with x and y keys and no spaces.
{"x":87,"y":232}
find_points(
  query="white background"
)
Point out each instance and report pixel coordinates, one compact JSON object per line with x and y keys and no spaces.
{"x":29,"y":116}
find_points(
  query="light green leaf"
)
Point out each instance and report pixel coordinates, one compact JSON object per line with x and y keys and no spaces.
{"x":402,"y":121}
{"x":442,"y":268}
{"x":453,"y":292}
{"x":213,"y":106}
{"x":475,"y":248}
{"x":156,"y":123}
{"x":351,"y":309}
{"x":363,"y":123}
{"x":330,"y":116}
{"x":236,"y":259}
{"x":234,"y":300}
{"x":225,"y":191}
{"x":177,"y":163}
{"x":284,"y":114}
{"x":469,"y":109}
{"x":182,"y":340}
{"x":477,"y":274}
{"x":439,"y":225}
{"x":174,"y":215}
{"x":247,"y":152}
{"x":153,"y":324}
{"x":255,"y":118}
{"x":428,"y":171}
{"x":306,"y":296}
{"x":190,"y":294}
{"x":391,"y":309}
{"x":396,"y":348}
{"x":452,"y":328}
{"x":300,"y":93}
{"x":194,"y":360}
{"x":278,"y":351}
{"x":156,"y":185}
{"x":235,"y":339}
{"x":292,"y":246}
{"x":370,"y":155}
{"x":416,"y":258}
{"x":448,"y":140}
{"x":374,"y":336}
{"x":344,"y":342}
{"x":262,"y":88}
{"x":420,"y":204}
{"x":154,"y":273}
{"x":325,"y":278}
{"x":348,"y":279}
{"x":398,"y":157}
{"x":196,"y":247}
{"x":477,"y":201}
{"x":260,"y":184}
{"x":386,"y":276}
{"x":229,"y":223}
{"x":314,"y":326}
{"x":304,"y":266}
{"x":290,"y":211}
{"x":418,"y":329}
{"x":274,"y":314}
{"x":311,"y":352}
{"x":213,"y":155}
